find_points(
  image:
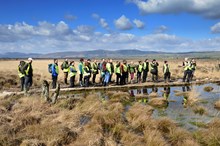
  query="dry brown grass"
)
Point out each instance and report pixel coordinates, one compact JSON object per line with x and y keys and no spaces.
{"x":158,"y":102}
{"x":139,"y":115}
{"x":217,"y":104}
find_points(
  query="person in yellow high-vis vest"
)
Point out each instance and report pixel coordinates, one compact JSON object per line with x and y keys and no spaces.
{"x":117,"y":70}
{"x":187,"y":70}
{"x":166,"y":71}
{"x":72,"y":74}
{"x":21,"y":74}
{"x":65,"y":68}
{"x":28,"y":71}
{"x":145,"y":70}
{"x":139,"y":71}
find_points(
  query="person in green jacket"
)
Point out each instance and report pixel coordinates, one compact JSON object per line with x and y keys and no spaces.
{"x":81,"y":71}
{"x":117,"y":70}
{"x":65,"y":68}
{"x":72,"y":74}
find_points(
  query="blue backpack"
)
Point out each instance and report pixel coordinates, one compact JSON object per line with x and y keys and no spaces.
{"x":50,"y":68}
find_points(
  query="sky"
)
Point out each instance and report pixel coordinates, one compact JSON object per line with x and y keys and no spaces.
{"x":46,"y":26}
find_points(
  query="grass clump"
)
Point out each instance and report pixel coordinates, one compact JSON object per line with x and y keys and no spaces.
{"x":138,"y":116}
{"x":208,"y":88}
{"x":199,"y":110}
{"x":158,"y":102}
{"x":217,"y":104}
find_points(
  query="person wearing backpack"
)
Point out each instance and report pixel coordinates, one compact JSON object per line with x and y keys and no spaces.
{"x":65,"y":68}
{"x":72,"y":74}
{"x":154,"y":70}
{"x":21,"y":74}
{"x":28,"y":71}
{"x":54,"y":73}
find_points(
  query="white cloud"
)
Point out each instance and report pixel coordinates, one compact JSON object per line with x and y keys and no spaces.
{"x":123,"y":23}
{"x":95,"y":16}
{"x":103,"y":23}
{"x":216,"y":28}
{"x":70,"y":17}
{"x":139,"y":24}
{"x":161,"y":29}
{"x":46,"y":37}
{"x":206,"y":8}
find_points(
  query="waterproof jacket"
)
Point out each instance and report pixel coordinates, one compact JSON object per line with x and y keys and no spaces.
{"x":166,"y":68}
{"x":65,"y":66}
{"x":81,"y":68}
{"x":55,"y":70}
{"x":145,"y":66}
{"x":72,"y":70}
{"x":27,"y":69}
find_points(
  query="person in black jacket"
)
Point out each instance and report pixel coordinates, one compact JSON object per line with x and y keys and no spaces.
{"x":154,"y":70}
{"x":28,"y":71}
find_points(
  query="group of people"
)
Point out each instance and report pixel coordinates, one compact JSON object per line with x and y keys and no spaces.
{"x":88,"y":70}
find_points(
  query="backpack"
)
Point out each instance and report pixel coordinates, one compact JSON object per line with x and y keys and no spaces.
{"x":21,"y":66}
{"x":50,"y":68}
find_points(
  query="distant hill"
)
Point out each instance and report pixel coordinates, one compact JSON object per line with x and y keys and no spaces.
{"x":113,"y":54}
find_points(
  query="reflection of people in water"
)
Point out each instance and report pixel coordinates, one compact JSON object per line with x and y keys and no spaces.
{"x":138,"y":91}
{"x":154,"y":89}
{"x":145,"y":91}
{"x":185,"y":88}
{"x":132,"y":93}
{"x":166,"y":92}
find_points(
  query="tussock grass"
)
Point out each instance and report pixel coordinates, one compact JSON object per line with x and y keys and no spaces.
{"x":153,"y":94}
{"x":120,"y":97}
{"x":192,"y":98}
{"x":132,"y":139}
{"x":178,"y":136}
{"x":139,"y":115}
{"x":209,"y":136}
{"x":140,"y":96}
{"x":165,"y":125}
{"x":199,"y":110}
{"x":158,"y":102}
{"x":217,"y":104}
{"x":208,"y":88}
{"x":154,"y":138}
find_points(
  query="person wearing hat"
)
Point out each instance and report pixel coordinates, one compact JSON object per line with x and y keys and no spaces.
{"x":65,"y":68}
{"x":28,"y":71}
{"x":154,"y":70}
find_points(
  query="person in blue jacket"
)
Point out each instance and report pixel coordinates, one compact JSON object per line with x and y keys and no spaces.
{"x":55,"y":72}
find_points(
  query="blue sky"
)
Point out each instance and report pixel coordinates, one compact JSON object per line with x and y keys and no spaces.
{"x":43,"y":26}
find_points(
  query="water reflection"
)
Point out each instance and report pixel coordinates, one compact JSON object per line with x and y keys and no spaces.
{"x":166,"y":92}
